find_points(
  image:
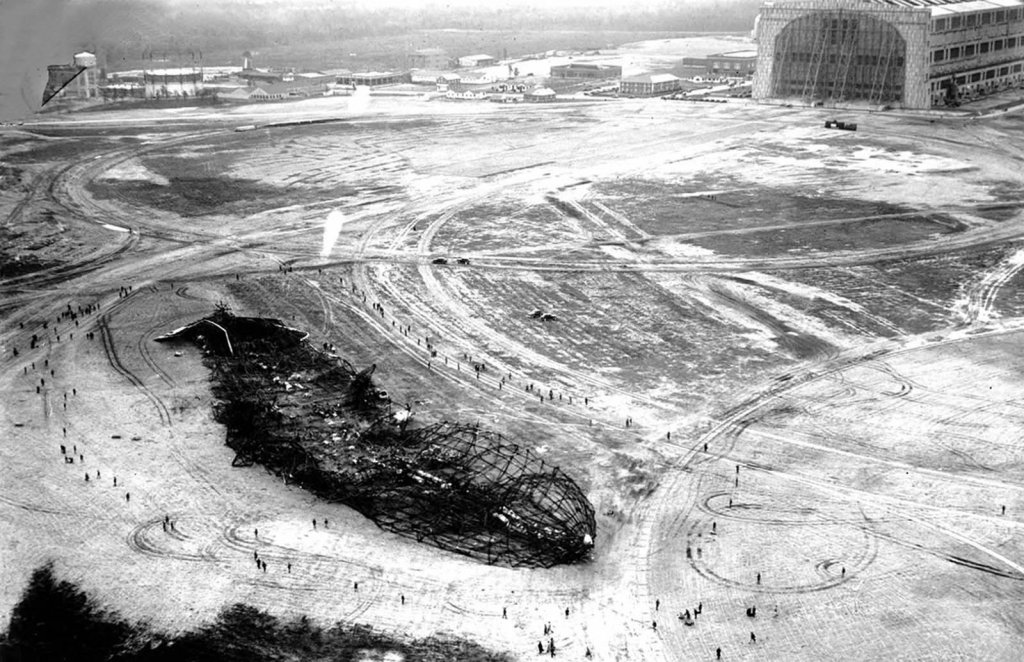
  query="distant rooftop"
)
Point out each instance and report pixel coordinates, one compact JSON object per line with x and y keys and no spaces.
{"x":651,"y":78}
{"x":948,"y":7}
{"x":747,"y":53}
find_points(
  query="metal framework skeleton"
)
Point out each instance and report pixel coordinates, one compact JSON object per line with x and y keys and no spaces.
{"x":319,"y":422}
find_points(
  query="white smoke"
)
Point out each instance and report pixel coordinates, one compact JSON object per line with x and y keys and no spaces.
{"x":360,"y":100}
{"x":332,"y":228}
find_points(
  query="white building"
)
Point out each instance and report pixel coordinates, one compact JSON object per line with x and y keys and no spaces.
{"x":477,"y":61}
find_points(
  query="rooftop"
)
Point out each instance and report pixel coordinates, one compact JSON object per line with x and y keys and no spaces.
{"x":651,"y":78}
{"x":973,"y":6}
{"x":585,"y":65}
{"x":746,"y":53}
{"x":949,"y":7}
{"x":179,"y":71}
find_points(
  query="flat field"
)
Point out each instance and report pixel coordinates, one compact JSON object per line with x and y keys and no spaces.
{"x":814,"y":335}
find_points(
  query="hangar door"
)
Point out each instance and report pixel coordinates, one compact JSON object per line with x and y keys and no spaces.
{"x":840,"y":55}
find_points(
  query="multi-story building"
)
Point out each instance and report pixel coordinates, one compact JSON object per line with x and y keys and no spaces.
{"x":906,"y":53}
{"x":429,"y":58}
{"x":734,"y":64}
{"x":648,"y":85}
{"x":976,"y":47}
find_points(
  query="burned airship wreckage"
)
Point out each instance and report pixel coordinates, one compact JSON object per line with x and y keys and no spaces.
{"x":313,"y":419}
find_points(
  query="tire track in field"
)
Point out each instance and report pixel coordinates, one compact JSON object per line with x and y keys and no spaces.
{"x":110,"y":350}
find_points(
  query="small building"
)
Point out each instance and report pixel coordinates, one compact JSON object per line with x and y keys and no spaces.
{"x":477,"y":61}
{"x":262,"y":92}
{"x":429,"y":58}
{"x":449,"y":83}
{"x":374,"y":78}
{"x":649,"y":85}
{"x":734,"y":64}
{"x":590,"y":70}
{"x":540,"y":95}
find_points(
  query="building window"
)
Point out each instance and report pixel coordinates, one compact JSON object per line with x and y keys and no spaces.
{"x":938,"y":55}
{"x":1000,"y":16}
{"x":955,"y":22}
{"x":997,"y":45}
{"x":983,"y":47}
{"x":986,"y":18}
{"x":991,"y":73}
{"x":971,"y":19}
{"x":1004,"y":71}
{"x":954,"y":52}
{"x":968,"y":50}
{"x":975,"y":77}
{"x":960,"y":80}
{"x":1017,"y":68}
{"x":940,"y":25}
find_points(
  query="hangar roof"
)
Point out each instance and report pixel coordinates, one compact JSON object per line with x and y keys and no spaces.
{"x":972,"y":6}
{"x":950,"y":7}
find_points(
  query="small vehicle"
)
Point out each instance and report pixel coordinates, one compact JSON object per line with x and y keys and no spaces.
{"x":836,"y":124}
{"x":462,"y":260}
{"x":439,"y":260}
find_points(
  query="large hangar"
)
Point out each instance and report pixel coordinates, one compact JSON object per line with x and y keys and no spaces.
{"x":903,"y":53}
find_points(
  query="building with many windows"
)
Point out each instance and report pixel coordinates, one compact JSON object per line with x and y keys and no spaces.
{"x":905,"y":53}
{"x":976,"y":48}
{"x":648,"y":85}
{"x":734,"y":64}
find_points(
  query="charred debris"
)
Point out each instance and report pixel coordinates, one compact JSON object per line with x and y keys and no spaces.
{"x":313,"y":419}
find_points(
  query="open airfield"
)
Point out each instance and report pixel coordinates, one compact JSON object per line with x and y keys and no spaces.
{"x":814,"y":333}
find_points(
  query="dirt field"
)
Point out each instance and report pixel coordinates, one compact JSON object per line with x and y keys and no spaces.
{"x":815,"y":334}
